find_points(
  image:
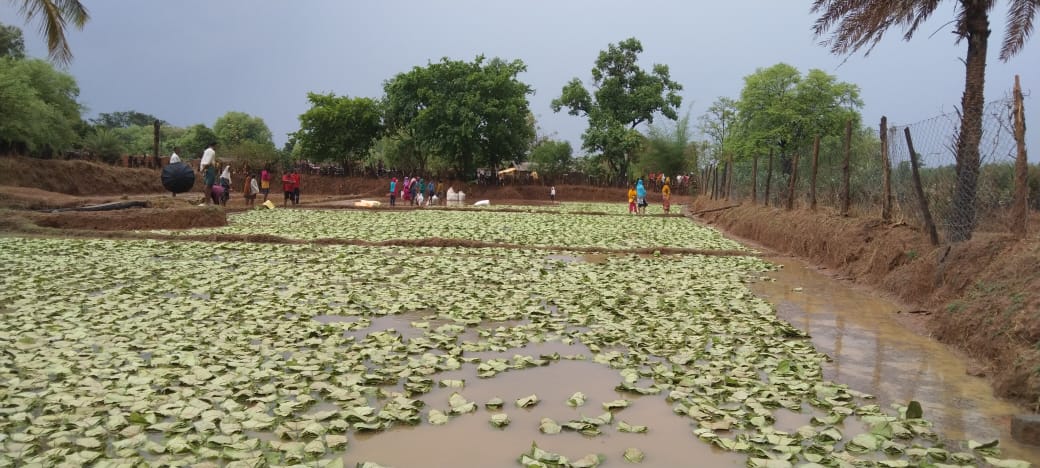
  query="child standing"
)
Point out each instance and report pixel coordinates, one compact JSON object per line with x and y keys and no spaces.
{"x":631,"y":198}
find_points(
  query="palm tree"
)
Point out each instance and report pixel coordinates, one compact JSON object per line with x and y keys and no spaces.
{"x":862,"y":23}
{"x":55,"y":16}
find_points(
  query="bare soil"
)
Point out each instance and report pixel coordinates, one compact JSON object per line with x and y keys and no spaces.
{"x":979,"y":296}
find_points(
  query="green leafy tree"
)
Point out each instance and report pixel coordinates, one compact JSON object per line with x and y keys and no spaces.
{"x":38,"y":106}
{"x":551,"y":159}
{"x":718,"y":125}
{"x":124,"y":119}
{"x":623,"y":97}
{"x":339,"y":128}
{"x":55,"y":15}
{"x":105,"y":144}
{"x":194,"y":140}
{"x":668,"y":149}
{"x":468,"y":114}
{"x":858,"y":24}
{"x":235,"y":128}
{"x":12,"y":44}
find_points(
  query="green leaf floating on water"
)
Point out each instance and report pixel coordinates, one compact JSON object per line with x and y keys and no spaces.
{"x":633,"y":455}
{"x":626,"y":427}
{"x":914,"y":410}
{"x":576,"y":400}
{"x":494,"y":403}
{"x":500,"y":420}
{"x":548,"y":426}
{"x":527,"y":401}
{"x":616,"y":404}
{"x":437,"y":417}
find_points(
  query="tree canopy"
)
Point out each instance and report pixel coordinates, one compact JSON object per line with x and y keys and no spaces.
{"x":124,"y":119}
{"x":12,"y":44}
{"x":623,"y":96}
{"x":235,"y":128}
{"x":469,"y":114}
{"x":39,"y":105}
{"x":551,"y":158}
{"x":339,"y":128}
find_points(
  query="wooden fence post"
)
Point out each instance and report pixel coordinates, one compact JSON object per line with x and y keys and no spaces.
{"x":754,"y":179}
{"x":886,"y":173}
{"x":922,"y":202}
{"x":155,"y":143}
{"x":815,"y":166}
{"x":792,"y":183}
{"x":845,"y":169}
{"x":1020,"y":208}
{"x":769,"y":177}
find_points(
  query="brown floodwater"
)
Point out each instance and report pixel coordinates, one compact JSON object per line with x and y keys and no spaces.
{"x":873,"y":352}
{"x":469,"y":440}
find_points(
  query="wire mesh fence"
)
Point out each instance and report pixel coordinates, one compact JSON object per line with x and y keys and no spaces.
{"x":768,"y":178}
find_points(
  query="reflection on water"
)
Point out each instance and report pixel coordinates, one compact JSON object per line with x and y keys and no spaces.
{"x":469,"y":440}
{"x":872,"y":352}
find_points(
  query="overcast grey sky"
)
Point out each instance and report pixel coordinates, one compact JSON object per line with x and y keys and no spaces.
{"x":190,"y":61}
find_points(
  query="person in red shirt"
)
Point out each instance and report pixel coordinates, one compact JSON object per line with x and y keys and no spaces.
{"x":296,"y":186}
{"x":287,"y":188}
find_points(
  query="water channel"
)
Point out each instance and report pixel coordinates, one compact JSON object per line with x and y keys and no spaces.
{"x":874,"y":352}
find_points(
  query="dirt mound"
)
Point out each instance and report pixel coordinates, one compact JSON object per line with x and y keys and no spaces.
{"x":118,"y":220}
{"x":77,"y":177}
{"x":981,"y":295}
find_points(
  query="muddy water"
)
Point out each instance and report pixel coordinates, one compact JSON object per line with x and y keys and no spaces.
{"x":875,"y":353}
{"x":469,"y":440}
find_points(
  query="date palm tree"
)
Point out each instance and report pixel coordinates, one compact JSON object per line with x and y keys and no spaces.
{"x":858,"y":24}
{"x":55,"y":15}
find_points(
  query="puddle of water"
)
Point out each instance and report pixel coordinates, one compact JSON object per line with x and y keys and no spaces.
{"x":334,"y":318}
{"x":585,"y":258}
{"x":470,"y":440}
{"x":873,"y":353}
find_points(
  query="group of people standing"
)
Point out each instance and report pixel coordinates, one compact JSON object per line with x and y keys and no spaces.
{"x":637,"y":197}
{"x":218,"y":190}
{"x":416,"y":191}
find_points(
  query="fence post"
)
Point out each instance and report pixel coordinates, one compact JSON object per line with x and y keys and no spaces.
{"x":754,"y":178}
{"x":155,"y":143}
{"x":933,"y":236}
{"x":769,"y":177}
{"x":845,"y":169}
{"x":1020,"y":210}
{"x":815,"y":166}
{"x":886,"y":173}
{"x":793,"y":182}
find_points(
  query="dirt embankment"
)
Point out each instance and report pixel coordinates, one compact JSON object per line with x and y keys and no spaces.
{"x":981,"y":296}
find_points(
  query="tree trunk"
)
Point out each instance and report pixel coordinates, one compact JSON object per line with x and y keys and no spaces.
{"x":922,"y":202}
{"x":886,"y":173}
{"x":729,"y":176}
{"x":962,"y":215}
{"x":754,"y":179}
{"x":815,"y":167}
{"x":845,"y":189}
{"x":792,"y":183}
{"x":1020,"y":210}
{"x":769,"y":176}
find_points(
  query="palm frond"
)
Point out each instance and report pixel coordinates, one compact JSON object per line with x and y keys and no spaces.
{"x":55,"y":17}
{"x":859,"y":24}
{"x":1019,"y":26}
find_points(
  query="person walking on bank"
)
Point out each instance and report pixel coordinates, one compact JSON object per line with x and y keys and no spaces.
{"x":552,"y":193}
{"x":175,"y":158}
{"x":265,"y":182}
{"x":295,"y":175}
{"x":393,"y":191}
{"x":641,"y":196}
{"x":666,"y":197}
{"x":208,"y":169}
{"x":287,"y":188}
{"x":631,"y":198}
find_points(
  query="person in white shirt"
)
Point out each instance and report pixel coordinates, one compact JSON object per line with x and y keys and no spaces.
{"x":174,"y":158}
{"x":207,"y":157}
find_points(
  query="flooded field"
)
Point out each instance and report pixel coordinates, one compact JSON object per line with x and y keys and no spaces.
{"x":243,"y":354}
{"x":875,"y":353}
